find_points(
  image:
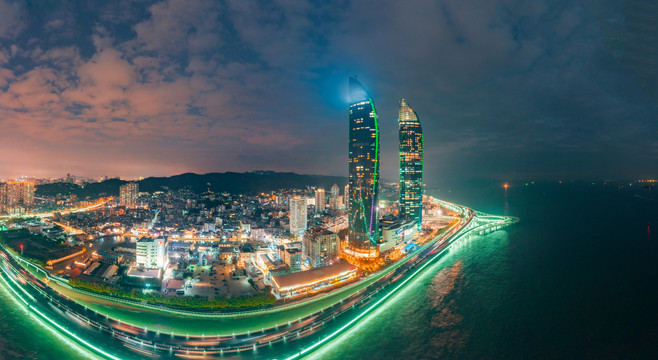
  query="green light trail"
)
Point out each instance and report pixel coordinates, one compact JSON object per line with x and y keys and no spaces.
{"x":369,"y":309}
{"x":53,"y":322}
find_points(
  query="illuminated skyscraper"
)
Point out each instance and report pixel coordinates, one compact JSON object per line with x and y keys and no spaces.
{"x":128,"y":194}
{"x":363,"y":169}
{"x":411,"y":164}
{"x":319,"y":200}
{"x":297,"y":215}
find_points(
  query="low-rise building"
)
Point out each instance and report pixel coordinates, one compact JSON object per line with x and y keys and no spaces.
{"x":396,"y":232}
{"x":314,"y":280}
{"x":292,"y":257}
{"x":152,"y":253}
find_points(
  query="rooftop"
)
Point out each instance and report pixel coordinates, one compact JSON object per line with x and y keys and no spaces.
{"x":144,"y":273}
{"x":312,"y":275}
{"x":396,"y":223}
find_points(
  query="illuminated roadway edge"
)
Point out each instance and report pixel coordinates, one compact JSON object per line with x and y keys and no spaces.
{"x":479,"y":223}
{"x":54,"y":325}
{"x":489,"y":223}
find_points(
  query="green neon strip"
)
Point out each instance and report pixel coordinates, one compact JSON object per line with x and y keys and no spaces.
{"x":52,"y":322}
{"x":375,"y":179}
{"x":373,"y":306}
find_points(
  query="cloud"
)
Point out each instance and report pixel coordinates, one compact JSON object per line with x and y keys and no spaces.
{"x":10,"y":19}
{"x":153,"y":88}
{"x":177,"y":26}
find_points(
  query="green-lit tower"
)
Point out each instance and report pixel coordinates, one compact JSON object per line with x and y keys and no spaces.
{"x":411,"y":164}
{"x":363,"y":170}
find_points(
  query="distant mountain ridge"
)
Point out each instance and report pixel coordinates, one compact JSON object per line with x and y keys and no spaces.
{"x":231,"y":182}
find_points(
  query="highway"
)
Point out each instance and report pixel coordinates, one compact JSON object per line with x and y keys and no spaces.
{"x":110,"y":337}
{"x":100,"y":203}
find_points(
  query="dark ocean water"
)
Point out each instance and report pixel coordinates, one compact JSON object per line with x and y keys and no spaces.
{"x":577,"y":278}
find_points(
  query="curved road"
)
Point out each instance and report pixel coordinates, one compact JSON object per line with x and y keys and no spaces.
{"x":95,"y":329}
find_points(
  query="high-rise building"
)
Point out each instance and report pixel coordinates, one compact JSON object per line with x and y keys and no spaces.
{"x":319,"y":200}
{"x":346,"y":195}
{"x":151,"y":253}
{"x":17,"y":192}
{"x":297,"y":215}
{"x":336,"y":203}
{"x":363,"y":170}
{"x":128,"y":194}
{"x":3,"y":196}
{"x":335,"y":190}
{"x":321,"y":247}
{"x":411,"y":165}
{"x":13,"y":193}
{"x":27,"y":193}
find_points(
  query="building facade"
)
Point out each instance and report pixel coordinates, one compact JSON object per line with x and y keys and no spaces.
{"x":411,"y":164}
{"x":17,"y":192}
{"x":335,"y":190}
{"x":298,"y":215}
{"x":128,"y":194}
{"x":3,"y":196}
{"x":336,"y":203}
{"x":319,"y":200}
{"x":363,"y":170}
{"x":396,"y":232}
{"x":27,"y":193}
{"x":293,"y":258}
{"x":321,"y":247}
{"x":151,"y":253}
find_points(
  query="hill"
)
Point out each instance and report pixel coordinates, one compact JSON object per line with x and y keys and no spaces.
{"x":231,"y":182}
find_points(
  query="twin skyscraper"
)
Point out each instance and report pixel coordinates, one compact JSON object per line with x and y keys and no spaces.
{"x":364,"y":170}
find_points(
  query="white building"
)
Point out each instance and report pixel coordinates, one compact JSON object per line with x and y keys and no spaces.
{"x":152,"y":253}
{"x":395,"y":233}
{"x":297,"y":215}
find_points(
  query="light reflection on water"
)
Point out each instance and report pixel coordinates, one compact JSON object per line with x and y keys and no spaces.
{"x":427,"y":318}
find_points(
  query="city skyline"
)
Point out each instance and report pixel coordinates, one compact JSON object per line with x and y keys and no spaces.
{"x":344,"y":180}
{"x":83,"y":91}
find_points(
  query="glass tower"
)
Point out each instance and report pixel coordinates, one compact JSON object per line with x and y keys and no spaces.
{"x":363,"y":169}
{"x":411,"y":165}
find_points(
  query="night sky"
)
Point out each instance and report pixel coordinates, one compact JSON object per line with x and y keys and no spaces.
{"x":506,"y":90}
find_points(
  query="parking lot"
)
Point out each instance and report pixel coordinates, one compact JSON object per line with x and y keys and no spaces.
{"x":217,"y":280}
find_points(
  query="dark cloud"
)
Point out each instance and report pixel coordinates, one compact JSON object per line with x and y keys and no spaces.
{"x":505,"y":89}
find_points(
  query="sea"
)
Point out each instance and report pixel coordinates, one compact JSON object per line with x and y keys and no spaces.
{"x":576,"y":278}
